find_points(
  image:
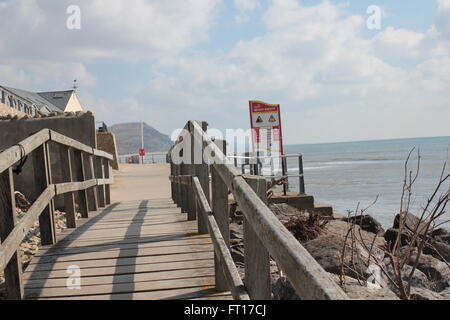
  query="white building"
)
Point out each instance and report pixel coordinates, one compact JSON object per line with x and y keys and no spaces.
{"x":44,"y":103}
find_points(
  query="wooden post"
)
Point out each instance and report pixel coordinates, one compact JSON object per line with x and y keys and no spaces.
{"x":221,"y":214}
{"x":42,"y":179}
{"x":107,"y":175}
{"x":178,"y":185}
{"x":80,"y":174}
{"x":202,"y":172}
{"x":257,"y":258}
{"x":100,"y":174}
{"x":13,"y":271}
{"x":172,"y":184}
{"x":301,"y":175}
{"x":92,"y":192}
{"x":184,"y":188}
{"x":69,"y":198}
{"x":190,"y":170}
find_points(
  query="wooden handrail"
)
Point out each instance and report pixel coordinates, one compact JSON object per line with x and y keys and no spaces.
{"x":235,"y":283}
{"x":15,"y":153}
{"x":309,"y":279}
{"x":91,"y":187}
{"x":15,"y":238}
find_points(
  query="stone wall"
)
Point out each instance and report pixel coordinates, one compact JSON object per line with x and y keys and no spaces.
{"x":106,"y":141}
{"x":80,"y":127}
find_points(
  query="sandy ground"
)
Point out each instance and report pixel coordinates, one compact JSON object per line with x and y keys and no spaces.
{"x":141,"y":182}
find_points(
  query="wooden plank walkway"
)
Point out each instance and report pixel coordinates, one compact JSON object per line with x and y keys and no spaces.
{"x":138,"y":249}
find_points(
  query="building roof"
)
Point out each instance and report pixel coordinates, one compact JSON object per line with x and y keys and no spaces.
{"x":60,"y":99}
{"x":34,"y":98}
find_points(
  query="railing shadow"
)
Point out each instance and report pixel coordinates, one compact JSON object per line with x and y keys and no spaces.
{"x":82,"y":229}
{"x":134,"y":228}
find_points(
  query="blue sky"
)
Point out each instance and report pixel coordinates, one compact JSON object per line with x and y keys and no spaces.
{"x":165,"y":62}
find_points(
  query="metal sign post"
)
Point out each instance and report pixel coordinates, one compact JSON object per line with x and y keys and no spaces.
{"x":267,"y":116}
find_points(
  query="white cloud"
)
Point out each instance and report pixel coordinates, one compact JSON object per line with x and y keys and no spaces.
{"x":110,"y":28}
{"x":332,"y":82}
{"x":244,"y":8}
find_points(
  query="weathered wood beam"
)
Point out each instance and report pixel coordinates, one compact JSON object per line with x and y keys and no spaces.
{"x":15,"y":238}
{"x":219,"y":201}
{"x":80,"y":173}
{"x":225,"y":259}
{"x":69,"y":197}
{"x":256,"y":256}
{"x":12,"y":155}
{"x":42,"y":179}
{"x":12,"y":266}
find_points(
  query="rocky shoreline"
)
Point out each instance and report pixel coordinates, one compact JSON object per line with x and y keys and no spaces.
{"x":339,"y":244}
{"x":346,"y":247}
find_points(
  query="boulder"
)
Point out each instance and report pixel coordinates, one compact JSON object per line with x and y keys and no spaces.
{"x":367,"y":223}
{"x":411,"y":222}
{"x":418,"y":280}
{"x":439,"y":250}
{"x":340,"y":228}
{"x":391,"y":237}
{"x":328,"y":250}
{"x":436,"y":270}
{"x":441,"y":235}
{"x":444,"y":239}
{"x":424,"y":294}
{"x":440,"y":232}
{"x":445,"y":294}
{"x":282,"y":289}
{"x":356,"y":291}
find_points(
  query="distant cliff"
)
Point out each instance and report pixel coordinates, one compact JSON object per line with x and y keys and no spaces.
{"x":128,"y":137}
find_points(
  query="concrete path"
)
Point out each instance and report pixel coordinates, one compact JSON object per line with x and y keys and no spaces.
{"x":137,"y":182}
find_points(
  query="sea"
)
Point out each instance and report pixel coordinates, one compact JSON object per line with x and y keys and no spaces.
{"x":353,"y":175}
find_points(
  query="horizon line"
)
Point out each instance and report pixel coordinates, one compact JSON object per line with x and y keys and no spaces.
{"x":369,"y":140}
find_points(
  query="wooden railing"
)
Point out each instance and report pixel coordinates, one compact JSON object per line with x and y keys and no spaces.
{"x":85,"y":171}
{"x":264,"y":235}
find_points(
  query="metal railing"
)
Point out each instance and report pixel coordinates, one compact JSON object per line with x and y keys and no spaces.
{"x":254,"y":166}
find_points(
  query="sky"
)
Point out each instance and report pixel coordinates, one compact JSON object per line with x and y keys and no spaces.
{"x":167,"y":61}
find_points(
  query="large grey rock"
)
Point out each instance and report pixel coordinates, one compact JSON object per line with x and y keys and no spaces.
{"x":440,"y":232}
{"x":360,"y":291}
{"x":282,"y":289}
{"x":367,"y":223}
{"x":439,"y":250}
{"x":436,"y":270}
{"x":411,"y":222}
{"x":424,"y":294}
{"x":445,"y":294}
{"x":340,"y":228}
{"x":418,"y":280}
{"x":328,"y":252}
{"x":391,"y":236}
{"x":327,"y":249}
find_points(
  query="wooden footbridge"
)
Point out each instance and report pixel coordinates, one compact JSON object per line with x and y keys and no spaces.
{"x":158,"y":232}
